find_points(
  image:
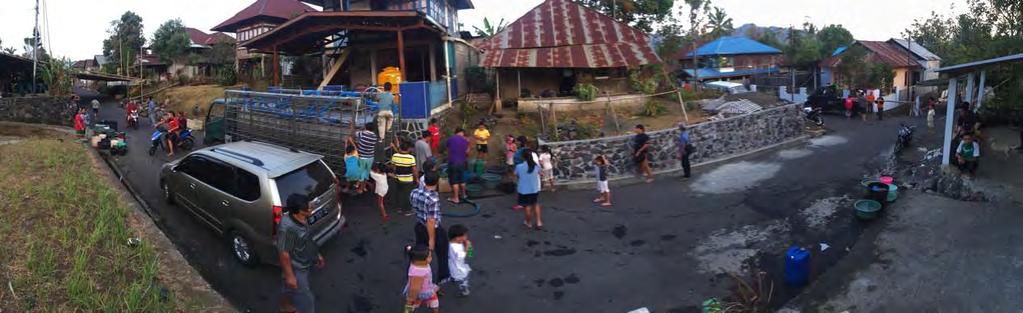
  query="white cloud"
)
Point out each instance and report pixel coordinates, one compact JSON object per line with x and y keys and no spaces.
{"x":77,"y":27}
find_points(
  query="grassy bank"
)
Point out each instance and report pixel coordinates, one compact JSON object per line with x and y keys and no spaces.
{"x":66,"y":238}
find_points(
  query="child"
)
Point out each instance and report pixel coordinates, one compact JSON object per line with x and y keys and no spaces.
{"x":547,"y":173}
{"x":509,"y":150}
{"x":380,"y":187}
{"x":459,"y":248}
{"x":930,"y":116}
{"x":434,"y":136}
{"x":602,"y":186}
{"x":420,"y":288}
{"x":482,"y":135}
{"x":352,"y":171}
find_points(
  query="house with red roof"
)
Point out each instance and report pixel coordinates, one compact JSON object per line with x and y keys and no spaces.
{"x":259,"y":17}
{"x":910,"y":63}
{"x":560,"y":44}
{"x":201,"y":62}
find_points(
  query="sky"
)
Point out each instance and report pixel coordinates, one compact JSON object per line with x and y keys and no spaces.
{"x":76,"y":28}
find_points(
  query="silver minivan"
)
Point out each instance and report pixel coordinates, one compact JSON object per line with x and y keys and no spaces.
{"x":242,"y":189}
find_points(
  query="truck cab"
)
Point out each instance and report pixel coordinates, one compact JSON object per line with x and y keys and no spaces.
{"x":826,"y":98}
{"x":214,"y":123}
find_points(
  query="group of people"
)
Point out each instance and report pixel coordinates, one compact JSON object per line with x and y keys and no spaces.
{"x":862,"y":103}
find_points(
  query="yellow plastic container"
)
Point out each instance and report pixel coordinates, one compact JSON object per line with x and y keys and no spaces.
{"x":391,"y":75}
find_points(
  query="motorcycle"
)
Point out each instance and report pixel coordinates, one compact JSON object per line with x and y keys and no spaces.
{"x":133,"y":119}
{"x":814,"y":115}
{"x":905,"y":136}
{"x":185,"y":140}
{"x":156,"y":141}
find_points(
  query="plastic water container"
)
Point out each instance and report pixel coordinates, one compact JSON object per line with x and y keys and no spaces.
{"x":797,"y":266}
{"x":887,"y":180}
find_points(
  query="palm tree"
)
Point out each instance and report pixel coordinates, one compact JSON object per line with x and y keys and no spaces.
{"x":719,"y":23}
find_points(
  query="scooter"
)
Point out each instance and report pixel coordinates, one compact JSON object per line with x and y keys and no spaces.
{"x":814,"y":115}
{"x":156,"y":141}
{"x":133,"y":119}
{"x":905,"y":136}
{"x":185,"y":139}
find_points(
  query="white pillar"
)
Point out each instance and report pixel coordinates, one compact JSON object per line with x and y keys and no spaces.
{"x":950,"y":109}
{"x":447,"y":68}
{"x":980,"y":91}
{"x":968,"y":93}
{"x":373,"y":67}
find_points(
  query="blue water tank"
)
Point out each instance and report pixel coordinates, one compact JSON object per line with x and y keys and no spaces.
{"x":797,"y":266}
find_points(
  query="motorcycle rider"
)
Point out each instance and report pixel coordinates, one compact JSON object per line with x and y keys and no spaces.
{"x":130,"y":108}
{"x":170,"y":136}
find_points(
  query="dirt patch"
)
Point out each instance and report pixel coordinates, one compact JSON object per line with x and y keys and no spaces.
{"x":186,"y":98}
{"x":728,"y":251}
{"x":735,"y":177}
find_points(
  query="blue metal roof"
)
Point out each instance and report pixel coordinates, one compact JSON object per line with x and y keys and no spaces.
{"x":839,"y":50}
{"x":732,"y":45}
{"x":712,"y":73}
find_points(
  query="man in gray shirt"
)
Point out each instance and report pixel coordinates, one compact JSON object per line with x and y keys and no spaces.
{"x":298,"y":253}
{"x":423,"y":151}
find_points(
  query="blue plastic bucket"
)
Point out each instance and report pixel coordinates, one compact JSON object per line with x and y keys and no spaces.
{"x":797,"y":266}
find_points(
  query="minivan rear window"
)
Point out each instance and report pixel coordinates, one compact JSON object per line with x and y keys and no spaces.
{"x":309,"y":182}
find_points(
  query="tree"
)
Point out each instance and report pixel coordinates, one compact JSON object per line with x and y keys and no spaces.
{"x":880,"y":76}
{"x":37,"y":46}
{"x":171,"y":41}
{"x":642,"y":14}
{"x":123,"y":44}
{"x":719,"y":23}
{"x":695,"y":18}
{"x":769,"y":38}
{"x":852,"y":66}
{"x":7,"y":50}
{"x":831,"y":37}
{"x":490,"y":29}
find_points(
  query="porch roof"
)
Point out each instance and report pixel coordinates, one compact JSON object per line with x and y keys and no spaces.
{"x":308,"y":32}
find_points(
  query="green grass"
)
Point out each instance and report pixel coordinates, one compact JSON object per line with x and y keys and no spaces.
{"x":65,"y":234}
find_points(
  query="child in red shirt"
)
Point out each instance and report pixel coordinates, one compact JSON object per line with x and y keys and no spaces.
{"x":434,"y":135}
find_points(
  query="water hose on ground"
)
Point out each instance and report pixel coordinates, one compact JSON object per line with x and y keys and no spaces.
{"x":475,"y":209}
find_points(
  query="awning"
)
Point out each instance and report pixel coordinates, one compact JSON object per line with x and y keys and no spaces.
{"x":309,"y":32}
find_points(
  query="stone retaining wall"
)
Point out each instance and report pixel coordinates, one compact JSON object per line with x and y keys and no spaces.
{"x":574,"y":104}
{"x":713,"y":140}
{"x":40,"y":110}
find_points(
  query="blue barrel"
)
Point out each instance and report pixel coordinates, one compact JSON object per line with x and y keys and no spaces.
{"x":797,"y":266}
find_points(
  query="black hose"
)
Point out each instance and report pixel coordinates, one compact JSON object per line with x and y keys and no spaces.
{"x":475,"y":210}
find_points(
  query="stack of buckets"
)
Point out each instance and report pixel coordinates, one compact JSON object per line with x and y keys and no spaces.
{"x":878,"y":195}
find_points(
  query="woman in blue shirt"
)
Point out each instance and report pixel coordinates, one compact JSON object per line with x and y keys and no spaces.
{"x":528,"y":173}
{"x":684,"y":147}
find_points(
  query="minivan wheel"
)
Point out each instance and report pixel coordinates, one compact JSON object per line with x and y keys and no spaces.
{"x":166,"y":193}
{"x":242,"y":249}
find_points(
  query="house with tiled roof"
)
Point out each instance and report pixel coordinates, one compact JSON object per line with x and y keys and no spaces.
{"x":560,"y":44}
{"x":910,"y":62}
{"x":259,"y":17}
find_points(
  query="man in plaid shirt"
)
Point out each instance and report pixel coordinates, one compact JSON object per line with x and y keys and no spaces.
{"x":426,"y":203}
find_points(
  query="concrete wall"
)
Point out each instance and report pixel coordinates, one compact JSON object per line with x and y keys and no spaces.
{"x":713,"y":140}
{"x":42,"y":110}
{"x":537,"y":80}
{"x":574,"y":104}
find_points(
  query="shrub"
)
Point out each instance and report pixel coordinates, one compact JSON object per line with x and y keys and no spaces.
{"x":646,"y":86}
{"x":586,"y":92}
{"x":653,"y":108}
{"x":226,"y":77}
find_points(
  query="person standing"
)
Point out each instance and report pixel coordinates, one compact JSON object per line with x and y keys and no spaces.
{"x":458,"y":150}
{"x":434,"y":135}
{"x":426,"y":204}
{"x":79,"y":121}
{"x":879,"y":107}
{"x":640,"y":153}
{"x":406,"y":175}
{"x":385,"y":116}
{"x":95,"y":107}
{"x":423,"y":150}
{"x":87,"y":121}
{"x":848,"y":104}
{"x":420,"y":289}
{"x":547,"y":165}
{"x":603,"y":186}
{"x":528,"y":188}
{"x":481,"y":136}
{"x":459,"y":250}
{"x":365,"y":142}
{"x":151,"y":109}
{"x":380,"y":188}
{"x":862,"y":105}
{"x":685,"y":147}
{"x":510,"y":147}
{"x":870,"y":103}
{"x":298,"y":253}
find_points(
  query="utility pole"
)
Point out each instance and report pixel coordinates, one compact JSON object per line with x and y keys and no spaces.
{"x":35,"y":48}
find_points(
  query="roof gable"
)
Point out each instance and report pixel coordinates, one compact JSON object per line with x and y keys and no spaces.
{"x":733,"y":45}
{"x":201,"y":38}
{"x":564,"y":34}
{"x":888,"y":53}
{"x":274,"y":10}
{"x":918,"y":50}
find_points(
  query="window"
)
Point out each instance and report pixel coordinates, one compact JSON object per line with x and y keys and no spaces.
{"x":221,"y":177}
{"x":195,"y":166}
{"x":309,"y":182}
{"x":248,"y":185}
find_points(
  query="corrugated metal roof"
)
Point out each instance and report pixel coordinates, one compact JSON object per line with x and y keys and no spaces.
{"x":982,"y":63}
{"x":733,"y":45}
{"x":711,"y":73}
{"x":279,"y":10}
{"x":889,"y":53}
{"x":563,"y":34}
{"x":200,"y":38}
{"x":918,"y":50}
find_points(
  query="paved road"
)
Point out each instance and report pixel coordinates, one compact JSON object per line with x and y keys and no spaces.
{"x":660,"y":247}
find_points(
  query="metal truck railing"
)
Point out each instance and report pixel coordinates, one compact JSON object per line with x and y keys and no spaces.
{"x":317,"y":124}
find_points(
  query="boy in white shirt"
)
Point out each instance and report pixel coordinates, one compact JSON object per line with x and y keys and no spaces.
{"x":459,"y":249}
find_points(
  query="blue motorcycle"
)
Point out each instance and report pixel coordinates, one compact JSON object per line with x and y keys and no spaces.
{"x":185,"y":140}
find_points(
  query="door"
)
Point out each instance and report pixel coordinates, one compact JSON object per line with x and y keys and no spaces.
{"x":193,"y":171}
{"x":214,"y":197}
{"x":214,"y":124}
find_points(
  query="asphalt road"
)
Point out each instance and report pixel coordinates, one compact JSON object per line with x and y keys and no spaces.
{"x":653,"y":249}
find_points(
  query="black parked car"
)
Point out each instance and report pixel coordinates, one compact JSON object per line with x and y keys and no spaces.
{"x":828,"y":99}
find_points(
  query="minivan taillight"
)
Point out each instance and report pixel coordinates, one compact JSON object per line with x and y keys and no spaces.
{"x":278,"y":211}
